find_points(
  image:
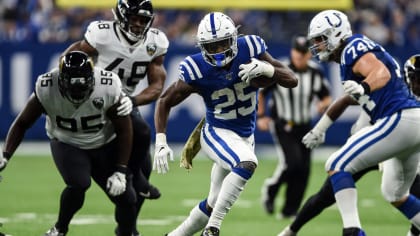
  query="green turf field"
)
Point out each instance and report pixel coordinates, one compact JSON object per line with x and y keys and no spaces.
{"x":31,"y":187}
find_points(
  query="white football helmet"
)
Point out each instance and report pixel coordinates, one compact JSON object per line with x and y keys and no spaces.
{"x":217,"y":38}
{"x":326,"y":31}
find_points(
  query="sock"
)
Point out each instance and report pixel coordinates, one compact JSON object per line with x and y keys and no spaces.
{"x":232,"y":186}
{"x":195,"y":222}
{"x":346,"y":196}
{"x":411,"y":209}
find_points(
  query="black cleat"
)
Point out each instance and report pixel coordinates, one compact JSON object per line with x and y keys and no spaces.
{"x":353,"y":231}
{"x":268,"y":206}
{"x":210,"y":231}
{"x":54,"y":232}
{"x":152,"y":193}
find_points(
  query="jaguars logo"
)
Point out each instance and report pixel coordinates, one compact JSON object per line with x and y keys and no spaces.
{"x":151,"y":49}
{"x":98,"y":103}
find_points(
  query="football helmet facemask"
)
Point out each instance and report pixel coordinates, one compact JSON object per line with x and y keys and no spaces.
{"x":412,"y":73}
{"x":326,"y":32}
{"x":76,"y":79}
{"x":217,"y":38}
{"x":134,"y":17}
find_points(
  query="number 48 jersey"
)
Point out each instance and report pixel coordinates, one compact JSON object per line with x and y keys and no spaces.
{"x":85,"y":126}
{"x":115,"y":54}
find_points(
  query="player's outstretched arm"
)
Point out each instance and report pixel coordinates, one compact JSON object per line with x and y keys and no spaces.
{"x":176,"y":93}
{"x":26,"y":118}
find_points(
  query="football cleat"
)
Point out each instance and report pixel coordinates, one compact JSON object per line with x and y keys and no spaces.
{"x":353,"y":231}
{"x":54,"y":232}
{"x":287,"y":232}
{"x":152,"y":193}
{"x":210,"y":231}
{"x":268,"y":205}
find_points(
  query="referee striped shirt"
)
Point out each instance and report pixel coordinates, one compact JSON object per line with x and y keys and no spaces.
{"x":294,"y":104}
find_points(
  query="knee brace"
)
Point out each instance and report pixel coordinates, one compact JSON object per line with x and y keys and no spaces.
{"x":245,"y":169}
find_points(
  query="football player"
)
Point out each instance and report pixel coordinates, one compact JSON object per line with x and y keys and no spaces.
{"x":372,"y":79}
{"x":325,"y":196}
{"x":87,"y":137}
{"x":221,"y":75}
{"x":134,"y":50}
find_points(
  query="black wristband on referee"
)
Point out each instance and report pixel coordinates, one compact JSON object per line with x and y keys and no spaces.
{"x":7,"y":155}
{"x":366,"y":87}
{"x":122,"y":169}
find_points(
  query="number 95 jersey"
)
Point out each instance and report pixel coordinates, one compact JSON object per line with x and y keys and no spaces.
{"x":115,"y":54}
{"x":85,"y":126}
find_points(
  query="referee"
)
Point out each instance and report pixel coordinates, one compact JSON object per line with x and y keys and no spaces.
{"x":289,"y":121}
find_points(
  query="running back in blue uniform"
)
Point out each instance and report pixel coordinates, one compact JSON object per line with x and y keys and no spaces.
{"x":221,"y":74}
{"x":372,"y":79}
{"x":230,"y":102}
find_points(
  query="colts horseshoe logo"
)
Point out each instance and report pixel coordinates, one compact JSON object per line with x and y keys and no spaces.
{"x":337,"y":24}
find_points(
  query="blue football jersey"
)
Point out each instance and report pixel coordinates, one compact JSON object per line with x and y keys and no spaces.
{"x":394,"y":96}
{"x":230,"y":102}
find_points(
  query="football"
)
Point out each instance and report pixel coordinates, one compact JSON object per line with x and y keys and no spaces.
{"x":262,"y":82}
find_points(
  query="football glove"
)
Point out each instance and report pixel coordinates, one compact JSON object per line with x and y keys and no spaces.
{"x":313,"y":139}
{"x":254,"y":69}
{"x":192,"y":146}
{"x":355,"y":89}
{"x":162,"y":153}
{"x":116,"y":184}
{"x":125,"y":107}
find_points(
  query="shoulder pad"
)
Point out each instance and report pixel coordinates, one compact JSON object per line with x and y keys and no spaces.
{"x":99,"y":32}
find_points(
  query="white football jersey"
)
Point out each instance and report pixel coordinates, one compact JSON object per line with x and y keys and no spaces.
{"x":85,"y":126}
{"x":130,"y":62}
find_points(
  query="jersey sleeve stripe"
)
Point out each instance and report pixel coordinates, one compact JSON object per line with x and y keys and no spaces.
{"x":250,"y":46}
{"x":195,"y":67}
{"x":188,"y":68}
{"x":257,"y":43}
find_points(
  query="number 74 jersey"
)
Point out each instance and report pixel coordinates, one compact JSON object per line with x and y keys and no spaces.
{"x":85,"y":126}
{"x":115,"y":54}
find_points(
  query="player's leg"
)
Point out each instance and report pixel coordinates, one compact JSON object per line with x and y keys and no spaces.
{"x":140,"y":161}
{"x":230,"y":152}
{"x":282,"y":141}
{"x":369,"y":146}
{"x":74,"y":167}
{"x":200,"y":214}
{"x":104,"y":162}
{"x":415,"y":190}
{"x":398,"y":175}
{"x":317,"y":203}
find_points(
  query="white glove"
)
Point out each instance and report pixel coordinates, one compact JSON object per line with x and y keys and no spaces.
{"x":116,"y":184}
{"x":162,"y":152}
{"x":125,"y":107}
{"x":353,"y":88}
{"x":313,"y":138}
{"x":254,"y":69}
{"x":3,"y":163}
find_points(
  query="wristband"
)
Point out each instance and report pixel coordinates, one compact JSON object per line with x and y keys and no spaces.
{"x":323,"y":124}
{"x":160,"y":138}
{"x":122,"y":169}
{"x":7,"y":155}
{"x":366,"y":87}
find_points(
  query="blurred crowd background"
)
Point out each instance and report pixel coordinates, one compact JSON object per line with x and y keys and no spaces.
{"x":389,"y":22}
